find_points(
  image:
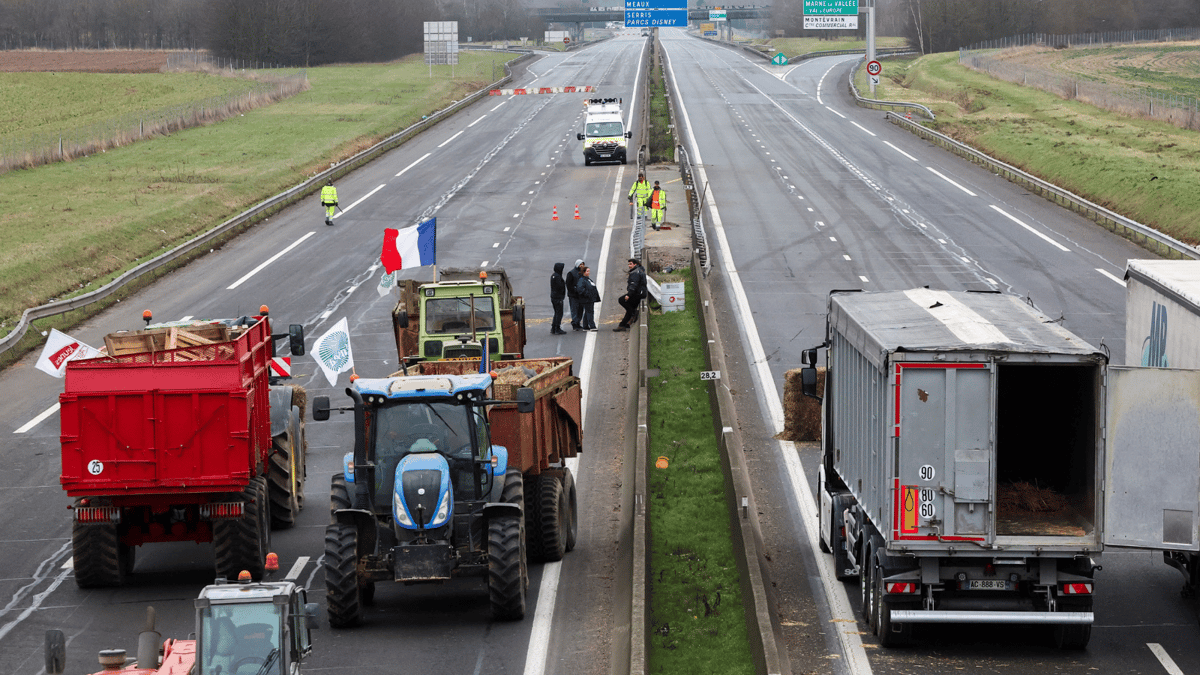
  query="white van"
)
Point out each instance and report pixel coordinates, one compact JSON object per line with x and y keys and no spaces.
{"x":604,"y":132}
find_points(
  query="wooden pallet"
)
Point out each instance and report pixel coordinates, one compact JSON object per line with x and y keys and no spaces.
{"x":164,"y":339}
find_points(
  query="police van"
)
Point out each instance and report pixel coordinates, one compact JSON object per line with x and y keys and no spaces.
{"x":604,"y":131}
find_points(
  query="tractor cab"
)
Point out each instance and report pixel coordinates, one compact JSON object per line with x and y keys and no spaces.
{"x":252,"y":628}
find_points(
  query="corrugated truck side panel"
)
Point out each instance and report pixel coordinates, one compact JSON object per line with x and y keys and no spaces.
{"x":860,"y":445}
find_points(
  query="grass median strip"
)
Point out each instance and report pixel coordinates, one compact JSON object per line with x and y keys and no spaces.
{"x":697,"y":621}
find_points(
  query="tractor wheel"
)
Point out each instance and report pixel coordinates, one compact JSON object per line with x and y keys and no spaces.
{"x":508,"y":571}
{"x":99,"y":557}
{"x":536,"y":548}
{"x":285,"y":481}
{"x":301,"y":451}
{"x":243,"y":544}
{"x":553,"y":517}
{"x":343,"y":597}
{"x":339,"y":494}
{"x":572,"y":505}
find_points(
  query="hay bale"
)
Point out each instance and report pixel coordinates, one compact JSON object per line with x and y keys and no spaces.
{"x":801,"y":414}
{"x":1025,"y":497}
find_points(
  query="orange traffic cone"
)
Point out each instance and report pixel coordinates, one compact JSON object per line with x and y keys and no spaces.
{"x":555,"y":216}
{"x":576,"y":212}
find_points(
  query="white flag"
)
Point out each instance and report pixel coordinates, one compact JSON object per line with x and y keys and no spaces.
{"x":386,"y":283}
{"x":332,"y":351}
{"x":61,"y":348}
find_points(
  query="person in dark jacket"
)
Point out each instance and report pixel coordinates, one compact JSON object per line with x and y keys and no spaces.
{"x":589,"y":295}
{"x":558,"y":291}
{"x":573,"y":293}
{"x":635,"y":290}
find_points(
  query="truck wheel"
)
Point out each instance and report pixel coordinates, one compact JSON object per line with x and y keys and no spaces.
{"x":99,"y":557}
{"x":889,"y":634}
{"x":339,"y":495}
{"x":572,"y":506}
{"x":841,"y":561}
{"x":1074,"y":637}
{"x":508,"y":572}
{"x":553,"y":515}
{"x":285,"y":481}
{"x":342,"y":592}
{"x":243,"y":544}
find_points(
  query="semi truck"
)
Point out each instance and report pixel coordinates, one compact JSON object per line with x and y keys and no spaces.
{"x":244,"y":628}
{"x":976,"y":459}
{"x":451,"y":318}
{"x":604,"y":132}
{"x":454,"y":473}
{"x":1162,"y":322}
{"x":182,"y":433}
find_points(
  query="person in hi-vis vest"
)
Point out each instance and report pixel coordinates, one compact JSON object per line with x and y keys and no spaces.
{"x":329,"y":200}
{"x":657,"y":203}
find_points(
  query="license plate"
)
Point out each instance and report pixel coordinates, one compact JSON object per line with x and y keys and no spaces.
{"x":987,"y":585}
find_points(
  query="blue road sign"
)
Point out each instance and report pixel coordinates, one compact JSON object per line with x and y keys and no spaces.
{"x":650,"y":18}
{"x":655,"y":4}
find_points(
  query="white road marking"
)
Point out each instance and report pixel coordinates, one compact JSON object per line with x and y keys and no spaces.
{"x":1002,"y":212}
{"x":325,"y":314}
{"x":361,"y":200}
{"x":899,"y":151}
{"x":844,"y":255}
{"x":186,"y":318}
{"x":864,"y":279}
{"x":447,"y":141}
{"x":483,"y":264}
{"x":863,"y":128}
{"x":948,"y":180}
{"x":413,"y":164}
{"x":476,"y":121}
{"x":843,"y":619}
{"x":835,"y":112}
{"x":37,"y":420}
{"x":498,"y":105}
{"x":297,"y":567}
{"x":1112,"y":276}
{"x":496,"y":245}
{"x":1167,"y":662}
{"x":268,"y":261}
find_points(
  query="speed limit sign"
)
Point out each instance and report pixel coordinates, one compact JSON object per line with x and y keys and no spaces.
{"x":874,"y":68}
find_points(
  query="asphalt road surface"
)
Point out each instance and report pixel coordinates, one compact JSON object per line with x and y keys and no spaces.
{"x":808,"y":193}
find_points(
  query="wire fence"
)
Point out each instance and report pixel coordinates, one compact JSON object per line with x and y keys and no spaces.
{"x":1182,"y":111}
{"x":32,"y":150}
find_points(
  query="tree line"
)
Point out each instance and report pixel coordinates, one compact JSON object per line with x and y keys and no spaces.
{"x":314,"y":32}
{"x":946,"y":25}
{"x":288,"y":32}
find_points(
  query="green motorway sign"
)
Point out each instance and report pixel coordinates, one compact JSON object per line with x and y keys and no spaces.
{"x":827,"y":7}
{"x":780,"y":59}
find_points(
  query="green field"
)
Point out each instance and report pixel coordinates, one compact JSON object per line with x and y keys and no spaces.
{"x":70,"y":225}
{"x":1144,"y":170}
{"x":46,"y":103}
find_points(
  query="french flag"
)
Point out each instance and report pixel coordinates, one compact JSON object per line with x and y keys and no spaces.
{"x":411,"y":247}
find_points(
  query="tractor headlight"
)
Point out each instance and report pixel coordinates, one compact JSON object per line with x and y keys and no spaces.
{"x":402,"y":516}
{"x":443,"y":511}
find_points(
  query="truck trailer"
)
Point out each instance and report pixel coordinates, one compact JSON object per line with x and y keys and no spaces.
{"x":181,"y":433}
{"x":454,"y":473}
{"x":975,"y":460}
{"x":1162,"y":330}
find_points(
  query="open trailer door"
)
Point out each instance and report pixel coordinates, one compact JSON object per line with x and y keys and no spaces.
{"x":1153,"y":459}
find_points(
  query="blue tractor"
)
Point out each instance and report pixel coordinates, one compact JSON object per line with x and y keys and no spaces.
{"x":424,"y":497}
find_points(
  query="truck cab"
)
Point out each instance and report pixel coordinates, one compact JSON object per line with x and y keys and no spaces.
{"x":604,"y":132}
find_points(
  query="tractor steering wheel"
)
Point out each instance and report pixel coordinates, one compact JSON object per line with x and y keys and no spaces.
{"x":254,"y":660}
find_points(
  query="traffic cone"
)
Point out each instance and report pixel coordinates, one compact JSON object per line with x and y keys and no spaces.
{"x":576,"y":212}
{"x":555,"y":216}
{"x":908,"y":115}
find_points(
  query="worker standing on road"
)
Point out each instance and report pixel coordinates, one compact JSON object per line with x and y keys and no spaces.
{"x":657,"y":203}
{"x":572,"y":282}
{"x":329,"y":200}
{"x":558,"y":291}
{"x":638,"y":193}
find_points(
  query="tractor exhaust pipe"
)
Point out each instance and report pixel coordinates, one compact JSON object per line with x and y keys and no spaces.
{"x":148,"y":641}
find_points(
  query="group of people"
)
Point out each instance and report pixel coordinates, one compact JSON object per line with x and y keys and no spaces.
{"x":580,"y":290}
{"x":649,"y":200}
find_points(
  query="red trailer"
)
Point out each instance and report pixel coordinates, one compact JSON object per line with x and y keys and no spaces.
{"x":178,"y":434}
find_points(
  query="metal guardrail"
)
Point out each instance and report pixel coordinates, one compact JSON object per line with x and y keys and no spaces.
{"x":881,"y":105}
{"x":1131,"y":229}
{"x":695,"y":199}
{"x":242,"y":219}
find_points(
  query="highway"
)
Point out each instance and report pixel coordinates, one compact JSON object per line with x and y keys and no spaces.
{"x":807,"y":193}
